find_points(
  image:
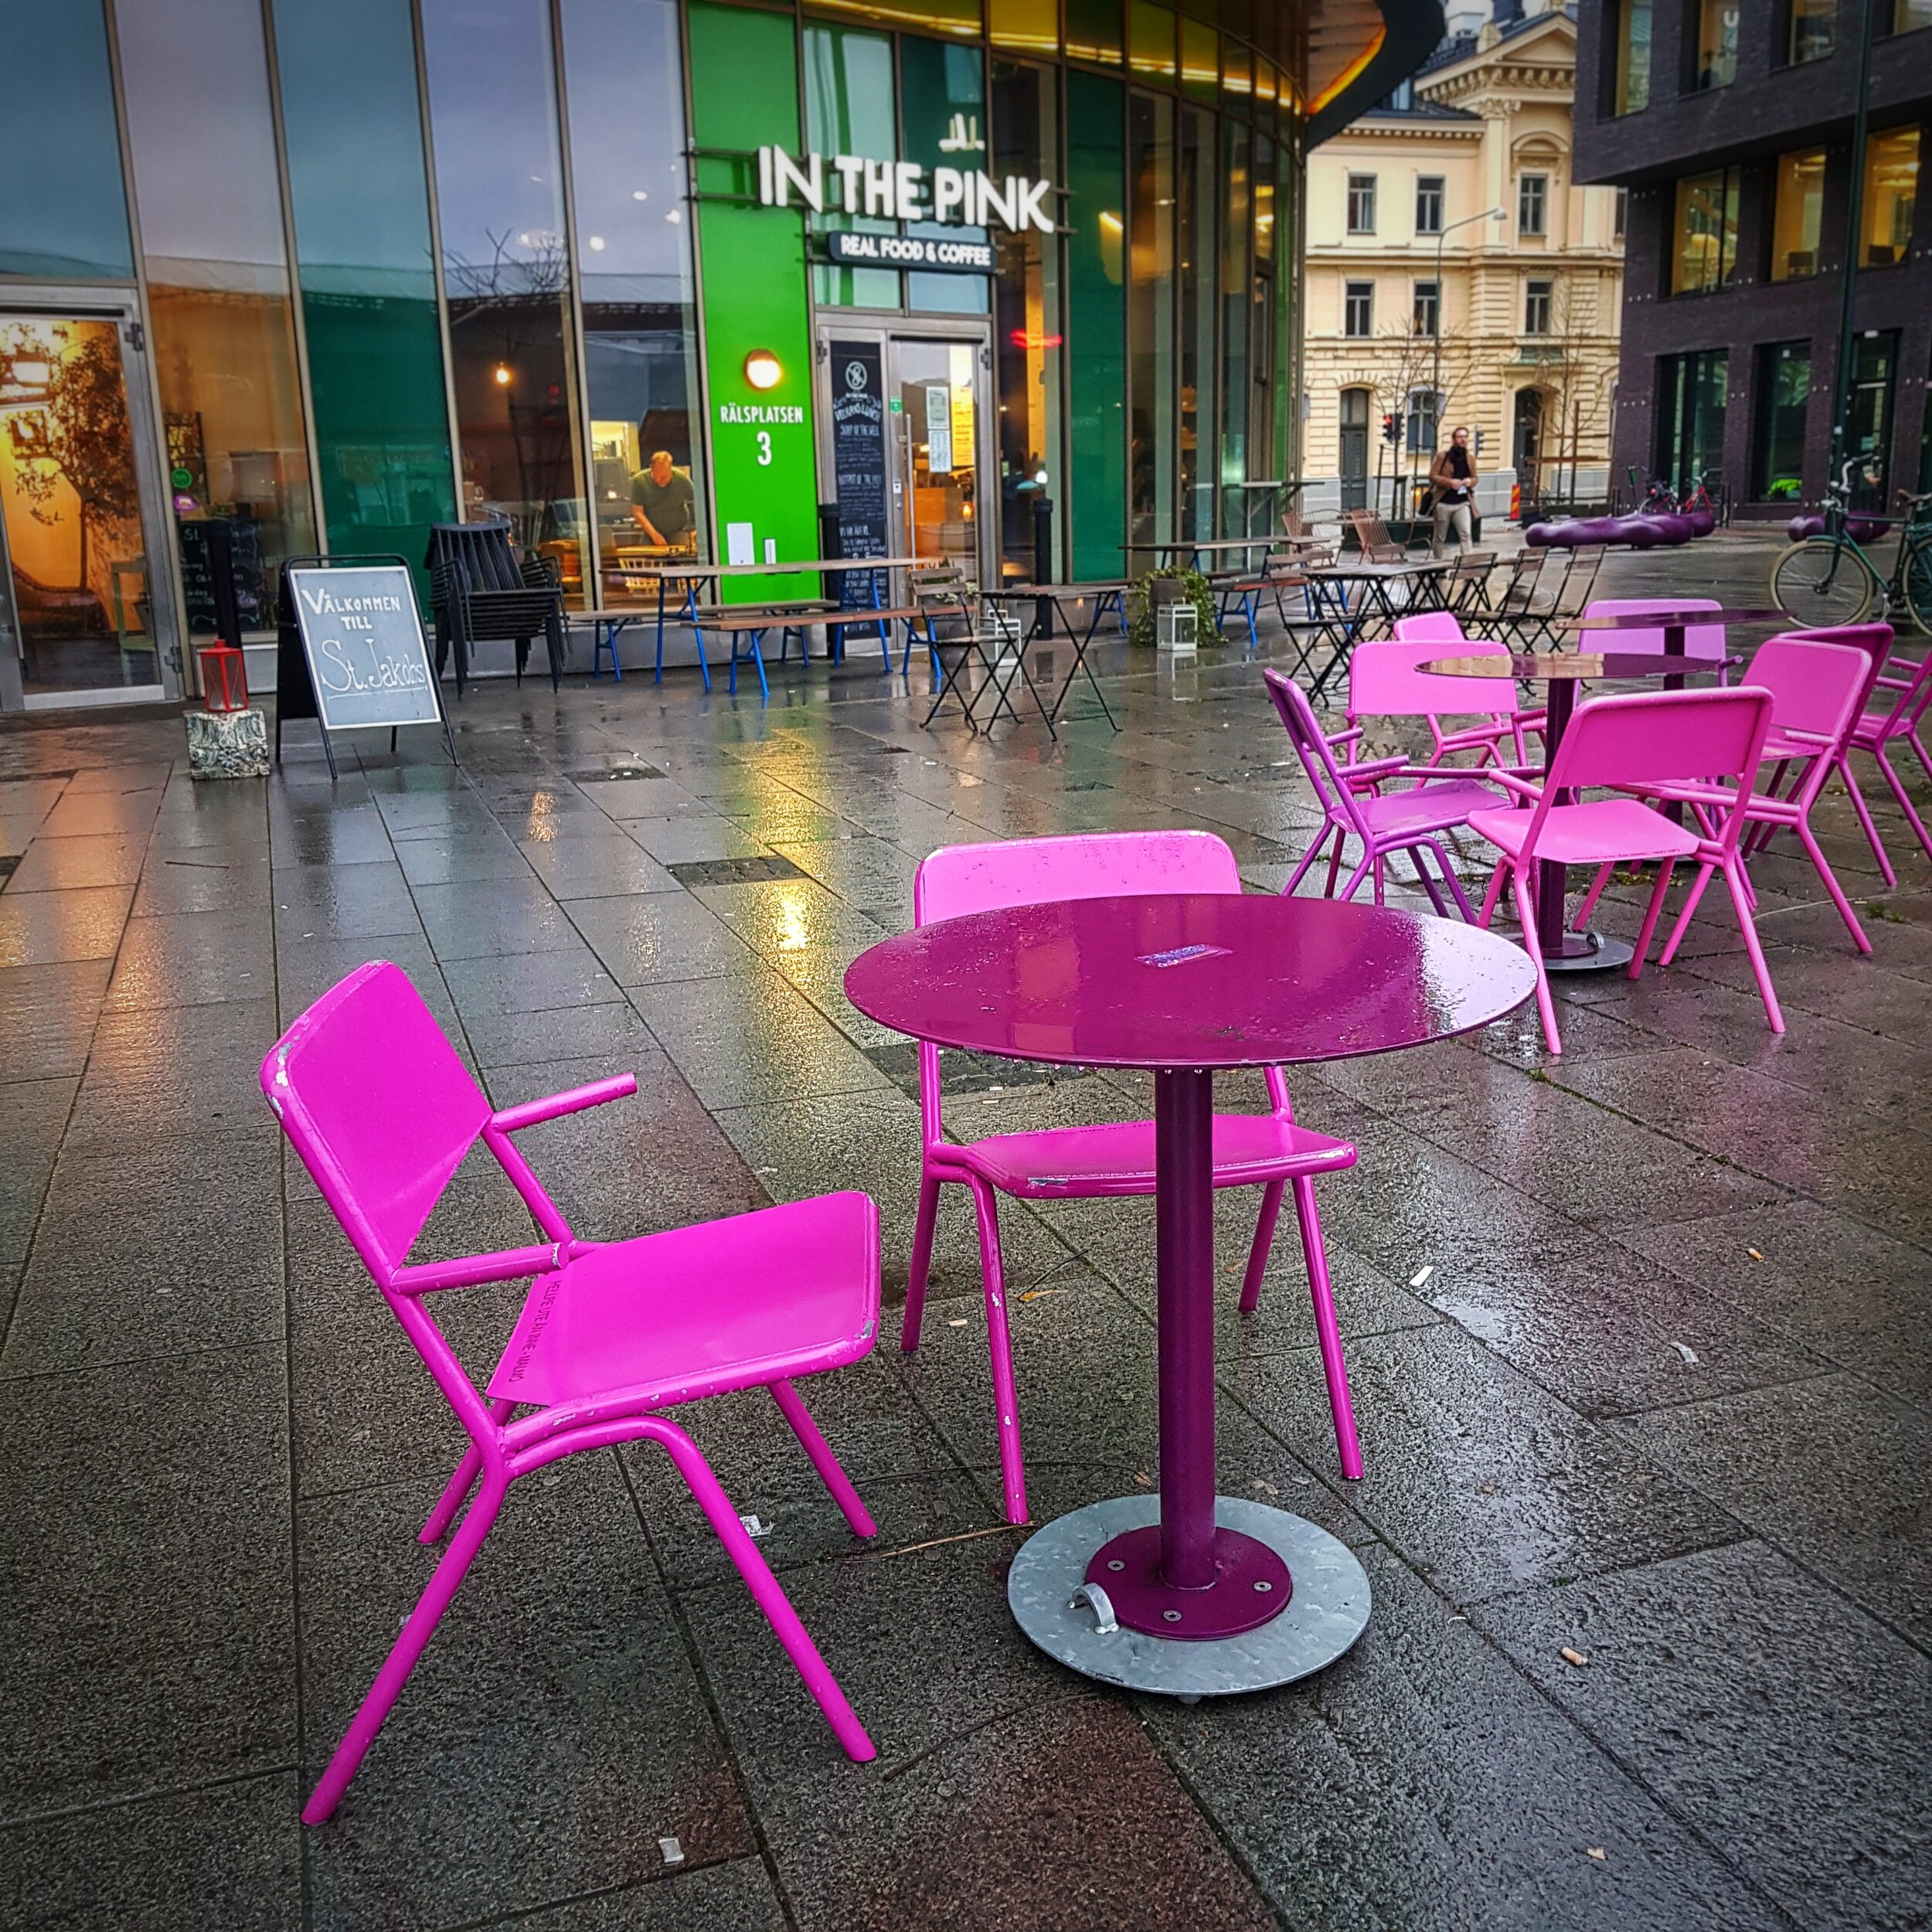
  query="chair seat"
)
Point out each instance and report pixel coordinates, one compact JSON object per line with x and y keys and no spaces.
{"x":1119,"y":1158}
{"x":669,"y":1318}
{"x":1592,"y":833}
{"x":1428,"y":808}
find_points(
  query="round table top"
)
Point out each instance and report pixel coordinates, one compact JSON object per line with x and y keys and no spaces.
{"x":1688,"y":618}
{"x":1189,"y":979}
{"x":1554,"y":666}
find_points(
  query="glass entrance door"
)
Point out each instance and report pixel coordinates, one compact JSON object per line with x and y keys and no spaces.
{"x":77,"y":600}
{"x":938,"y":400}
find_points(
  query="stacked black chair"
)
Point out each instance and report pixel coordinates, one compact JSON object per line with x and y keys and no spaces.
{"x":479,"y":591}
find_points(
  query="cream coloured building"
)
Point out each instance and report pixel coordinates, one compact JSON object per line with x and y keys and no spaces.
{"x":1450,"y":256}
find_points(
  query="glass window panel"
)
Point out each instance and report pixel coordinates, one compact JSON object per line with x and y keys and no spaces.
{"x":1537,"y":302}
{"x":207,"y":192}
{"x":1533,"y":204}
{"x":1267,"y":82}
{"x":1431,"y":191}
{"x":1261,"y":335}
{"x":622,"y":63}
{"x":359,"y":189}
{"x":1690,"y":417}
{"x":942,"y":88}
{"x":1633,"y":23}
{"x":1891,"y":190}
{"x":1705,"y":255}
{"x":1028,"y":337}
{"x":1028,"y":26}
{"x":1362,"y":204}
{"x":1095,"y":297}
{"x":1194,"y":200}
{"x":506,"y":272}
{"x":1875,"y":359}
{"x":850,"y":110}
{"x":1094,"y":31}
{"x":1151,"y":316}
{"x":1813,"y":31}
{"x":1151,"y":40}
{"x":1426,"y":319}
{"x":1237,"y":72}
{"x":1784,"y":388}
{"x":63,"y":213}
{"x":1908,"y":15}
{"x":1358,"y":308}
{"x":1200,"y":60}
{"x":960,"y":17}
{"x":1236,"y":235}
{"x":1716,"y":43}
{"x":1797,"y":214}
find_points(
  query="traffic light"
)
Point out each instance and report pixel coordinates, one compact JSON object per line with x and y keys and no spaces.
{"x":1391,"y":430}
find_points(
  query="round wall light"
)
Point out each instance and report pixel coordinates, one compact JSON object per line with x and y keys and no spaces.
{"x":762,"y":369}
{"x":503,"y":375}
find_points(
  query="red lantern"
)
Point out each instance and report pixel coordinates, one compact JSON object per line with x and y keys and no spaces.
{"x":224,"y":676}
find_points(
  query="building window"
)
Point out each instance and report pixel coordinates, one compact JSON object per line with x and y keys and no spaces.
{"x":1425,"y":411}
{"x":1539,"y":299}
{"x":1705,"y":254}
{"x":1777,"y":439}
{"x":1533,"y":204}
{"x":1362,"y":204}
{"x":1358,"y":308}
{"x":1813,"y":31}
{"x":1355,"y":449}
{"x":1716,"y":44}
{"x":1428,"y":318}
{"x":1633,"y":56}
{"x":1891,"y":188}
{"x":1908,"y":15}
{"x":1874,"y":362}
{"x":1620,"y":221}
{"x":1429,"y":198}
{"x":1797,"y":214}
{"x":1690,"y":415}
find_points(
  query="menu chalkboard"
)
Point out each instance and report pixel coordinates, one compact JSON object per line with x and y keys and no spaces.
{"x":362,"y":640}
{"x":858,"y":461}
{"x":199,"y":586}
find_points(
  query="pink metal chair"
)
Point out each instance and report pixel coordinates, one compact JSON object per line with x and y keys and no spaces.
{"x":1264,"y":1150}
{"x":1816,"y":691}
{"x":1704,"y":644}
{"x":382,"y":1112}
{"x":1384,"y":680}
{"x":1383,"y":822}
{"x":1688,"y":740}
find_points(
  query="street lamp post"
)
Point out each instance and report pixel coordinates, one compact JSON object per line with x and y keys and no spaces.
{"x":1435,"y":370}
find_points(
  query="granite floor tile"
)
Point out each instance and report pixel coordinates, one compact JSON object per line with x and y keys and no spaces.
{"x":1781,"y":1725}
{"x":47,"y":1017}
{"x":33,"y":1119}
{"x":194,"y":959}
{"x":173,"y":1070}
{"x":534,"y":982}
{"x":734,"y":1897}
{"x":482,"y":918}
{"x":643,"y":939}
{"x":201,"y":880}
{"x":100,"y":859}
{"x":47,"y":928}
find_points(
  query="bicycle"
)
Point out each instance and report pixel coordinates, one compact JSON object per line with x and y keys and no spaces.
{"x":1829,"y":579}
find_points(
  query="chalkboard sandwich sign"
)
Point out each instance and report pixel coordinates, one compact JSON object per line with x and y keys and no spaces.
{"x":352,"y":655}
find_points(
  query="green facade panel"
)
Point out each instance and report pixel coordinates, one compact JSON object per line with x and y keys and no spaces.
{"x":744,"y":95}
{"x":1096,"y":324}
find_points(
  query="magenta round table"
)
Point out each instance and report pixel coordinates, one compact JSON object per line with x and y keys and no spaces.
{"x":1190,"y":1594}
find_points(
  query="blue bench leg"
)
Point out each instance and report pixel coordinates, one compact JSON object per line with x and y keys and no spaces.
{"x":704,"y":663}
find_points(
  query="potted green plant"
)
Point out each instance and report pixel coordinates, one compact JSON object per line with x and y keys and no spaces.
{"x":1153,"y":589}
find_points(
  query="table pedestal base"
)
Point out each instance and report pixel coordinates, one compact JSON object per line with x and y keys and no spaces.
{"x":1251,"y":1586}
{"x":1327,"y":1607}
{"x":1588,"y":953}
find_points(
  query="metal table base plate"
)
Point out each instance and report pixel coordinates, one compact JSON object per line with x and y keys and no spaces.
{"x":1326,"y":1611}
{"x":1594,"y":953}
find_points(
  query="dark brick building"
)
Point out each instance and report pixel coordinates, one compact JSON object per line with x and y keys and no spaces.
{"x":1730,"y":122}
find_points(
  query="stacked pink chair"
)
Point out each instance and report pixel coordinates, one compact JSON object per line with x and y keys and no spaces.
{"x":382,"y":1113}
{"x":1705,"y":646}
{"x":1269,"y":1151}
{"x":1385,"y":680}
{"x":1382,"y":822}
{"x":1692,"y":742}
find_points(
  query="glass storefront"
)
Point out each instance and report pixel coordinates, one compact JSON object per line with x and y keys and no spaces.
{"x":531,"y":274}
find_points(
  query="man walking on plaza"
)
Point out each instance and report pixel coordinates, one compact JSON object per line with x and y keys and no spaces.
{"x":1452,"y":475}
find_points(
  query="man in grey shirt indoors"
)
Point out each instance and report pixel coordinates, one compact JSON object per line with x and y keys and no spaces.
{"x":661,"y":502}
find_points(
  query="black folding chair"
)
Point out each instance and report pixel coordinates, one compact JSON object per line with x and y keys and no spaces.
{"x":479,"y":592}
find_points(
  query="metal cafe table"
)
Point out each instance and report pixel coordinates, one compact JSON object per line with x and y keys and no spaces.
{"x":1050,"y":600}
{"x":1188,"y":1592}
{"x":1342,"y":628}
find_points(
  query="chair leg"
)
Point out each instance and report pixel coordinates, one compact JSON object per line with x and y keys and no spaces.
{"x":1306,"y":859}
{"x":1899,"y":792}
{"x":460,"y":1484}
{"x":1264,"y":1240}
{"x":1493,"y":893}
{"x":1526,"y":912}
{"x":1651,"y":912}
{"x":1683,"y":926}
{"x":1809,"y":840}
{"x":1326,"y":1327}
{"x":416,"y":1633}
{"x":1871,"y":830}
{"x":920,"y":1265}
{"x":764,"y":1587}
{"x":1375,"y":867}
{"x":1751,"y":945}
{"x":999,"y":1346}
{"x":1428,"y":884}
{"x":1450,"y":880}
{"x":1581,"y":923}
{"x":1335,"y":862}
{"x":816,"y":1447}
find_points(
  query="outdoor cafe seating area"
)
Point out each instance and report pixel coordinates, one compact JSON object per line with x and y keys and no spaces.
{"x":1198,"y":1248}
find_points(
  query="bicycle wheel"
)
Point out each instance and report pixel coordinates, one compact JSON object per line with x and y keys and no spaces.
{"x":1918,"y":582}
{"x":1821,"y":583}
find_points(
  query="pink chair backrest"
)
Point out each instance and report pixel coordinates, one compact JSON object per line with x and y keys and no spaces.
{"x":1875,"y":640}
{"x":376,"y":1101}
{"x":1383,"y":681}
{"x":1704,"y":641}
{"x":957,"y":880}
{"x":1315,"y":753}
{"x":1648,"y":735}
{"x":1817,"y":688}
